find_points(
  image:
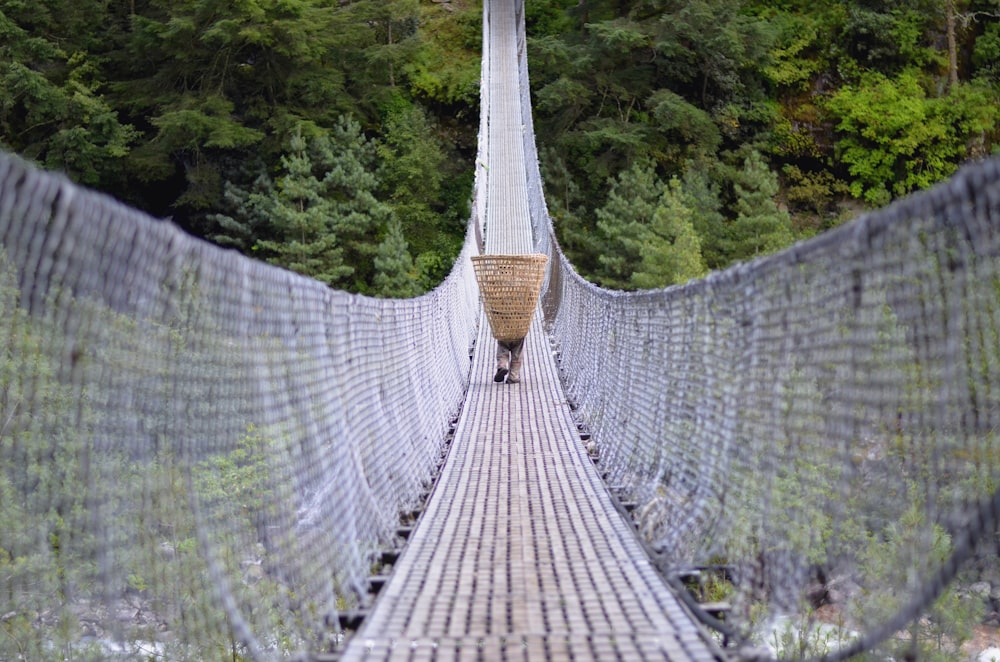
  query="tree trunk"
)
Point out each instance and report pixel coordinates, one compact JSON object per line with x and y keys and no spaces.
{"x":392,"y":72}
{"x":952,"y":44}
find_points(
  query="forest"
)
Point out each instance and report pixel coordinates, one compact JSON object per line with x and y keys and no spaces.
{"x":337,"y":138}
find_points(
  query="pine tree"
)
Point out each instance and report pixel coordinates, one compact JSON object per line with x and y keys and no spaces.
{"x":394,"y":270}
{"x":623,"y":223}
{"x":302,"y":217}
{"x":671,"y":253}
{"x":247,"y":219}
{"x":412,"y":175}
{"x":350,"y":182}
{"x":706,"y":215}
{"x":760,"y":227}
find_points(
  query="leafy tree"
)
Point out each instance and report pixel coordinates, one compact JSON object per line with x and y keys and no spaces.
{"x":388,"y":38}
{"x":191,"y":134}
{"x":219,"y":81}
{"x":563,"y":94}
{"x":891,"y":35}
{"x":445,"y":67}
{"x":567,"y":205}
{"x":712,"y":47}
{"x":594,"y":90}
{"x":894,"y":139}
{"x":986,"y":53}
{"x":806,"y":46}
{"x":691,"y":130}
{"x":814,"y":192}
{"x":548,"y":17}
{"x":52,"y":105}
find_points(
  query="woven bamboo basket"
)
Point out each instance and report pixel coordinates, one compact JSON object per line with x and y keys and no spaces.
{"x":509,"y":287}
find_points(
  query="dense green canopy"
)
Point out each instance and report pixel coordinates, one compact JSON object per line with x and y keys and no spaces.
{"x":771,"y":121}
{"x":338,"y":138}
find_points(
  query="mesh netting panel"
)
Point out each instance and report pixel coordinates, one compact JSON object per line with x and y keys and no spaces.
{"x":823,"y":424}
{"x":199,"y":453}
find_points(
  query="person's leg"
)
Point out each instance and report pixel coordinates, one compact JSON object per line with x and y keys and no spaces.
{"x":516,"y":352}
{"x":502,"y":362}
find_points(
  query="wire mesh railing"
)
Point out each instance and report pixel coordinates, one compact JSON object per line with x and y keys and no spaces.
{"x":199,"y":452}
{"x":201,"y":455}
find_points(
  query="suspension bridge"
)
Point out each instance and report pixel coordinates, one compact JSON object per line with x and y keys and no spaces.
{"x":206,"y":457}
{"x":521,"y":553}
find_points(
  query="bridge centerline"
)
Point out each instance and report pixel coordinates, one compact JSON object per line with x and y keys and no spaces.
{"x":520,"y":541}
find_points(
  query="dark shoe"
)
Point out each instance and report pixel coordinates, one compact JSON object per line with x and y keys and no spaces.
{"x":501,"y":373}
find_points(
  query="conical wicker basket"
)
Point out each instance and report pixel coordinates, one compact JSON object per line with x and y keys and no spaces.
{"x":509,"y":287}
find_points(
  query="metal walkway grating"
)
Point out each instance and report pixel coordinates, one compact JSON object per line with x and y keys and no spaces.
{"x":521,"y":554}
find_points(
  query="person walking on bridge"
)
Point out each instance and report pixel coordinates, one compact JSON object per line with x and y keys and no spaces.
{"x":509,"y":286}
{"x":509,"y":357}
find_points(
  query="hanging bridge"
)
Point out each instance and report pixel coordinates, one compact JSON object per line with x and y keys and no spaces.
{"x":206,"y":457}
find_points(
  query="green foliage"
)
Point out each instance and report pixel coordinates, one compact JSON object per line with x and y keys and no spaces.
{"x":794,"y":62}
{"x":413,"y":173}
{"x":808,"y":637}
{"x":647,"y":233}
{"x":903,"y":556}
{"x":246,"y":218}
{"x":714,"y":46}
{"x":696,"y":86}
{"x":52,"y":108}
{"x":165,"y":104}
{"x":986,"y":54}
{"x":209,"y":125}
{"x":218,"y":80}
{"x":703,"y":198}
{"x":685,"y":124}
{"x":671,"y":253}
{"x":813,"y":191}
{"x":322,"y":211}
{"x":891,"y":37}
{"x":624,"y":223}
{"x":394,"y":268}
{"x":894,"y":139}
{"x":760,"y":227}
{"x":446,"y":67}
{"x":548,"y":17}
{"x":300,"y":216}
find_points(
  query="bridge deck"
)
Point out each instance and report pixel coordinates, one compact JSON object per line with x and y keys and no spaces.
{"x":521,"y":553}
